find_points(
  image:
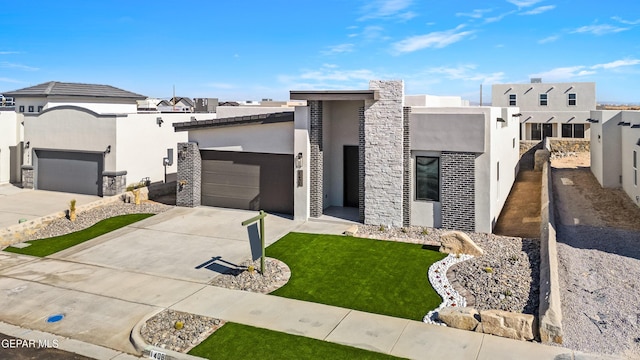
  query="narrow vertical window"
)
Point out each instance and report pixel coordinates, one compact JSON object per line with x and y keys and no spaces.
{"x":578,"y":131}
{"x":635,"y":168}
{"x":572,"y":99}
{"x":427,"y":178}
{"x":512,"y":100}
{"x":543,"y":100}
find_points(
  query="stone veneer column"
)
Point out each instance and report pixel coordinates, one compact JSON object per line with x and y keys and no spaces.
{"x":361,"y":144}
{"x":383,"y":154}
{"x":189,"y":180}
{"x":113,"y":182}
{"x":27,"y":177}
{"x":406,"y":181}
{"x":316,"y":166}
{"x":458,"y":190}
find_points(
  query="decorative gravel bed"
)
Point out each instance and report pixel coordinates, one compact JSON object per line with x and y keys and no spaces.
{"x":506,"y":277}
{"x":275,"y":276}
{"x":161,"y":330}
{"x":88,"y":218}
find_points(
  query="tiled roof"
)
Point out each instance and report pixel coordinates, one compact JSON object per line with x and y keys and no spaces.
{"x":235,"y":121}
{"x":55,"y":88}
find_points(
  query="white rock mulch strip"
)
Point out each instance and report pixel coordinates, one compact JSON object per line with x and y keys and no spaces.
{"x":440,"y":283}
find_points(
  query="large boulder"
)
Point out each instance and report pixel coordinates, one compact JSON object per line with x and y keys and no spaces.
{"x":465,"y":318}
{"x":457,"y":242}
{"x":506,"y":324}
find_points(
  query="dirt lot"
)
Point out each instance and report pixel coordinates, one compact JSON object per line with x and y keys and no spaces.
{"x":598,"y":233}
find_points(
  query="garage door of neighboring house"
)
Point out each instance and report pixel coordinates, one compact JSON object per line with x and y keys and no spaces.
{"x":252,"y":181}
{"x":68,"y":171}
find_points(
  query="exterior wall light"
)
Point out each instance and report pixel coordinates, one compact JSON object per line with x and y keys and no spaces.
{"x":27,"y":144}
{"x":108,"y":150}
{"x":159,"y":121}
{"x":299,"y":161}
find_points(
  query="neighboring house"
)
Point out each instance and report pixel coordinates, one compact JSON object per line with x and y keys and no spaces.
{"x":176,"y":104}
{"x":362,"y":150}
{"x":549,"y":109}
{"x":615,"y":150}
{"x":89,"y":139}
{"x":205,"y":105}
{"x":10,"y":145}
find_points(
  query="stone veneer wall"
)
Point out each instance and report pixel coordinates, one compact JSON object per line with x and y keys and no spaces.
{"x":316,"y":166}
{"x":27,"y":177}
{"x":406,"y":181}
{"x":189,"y":183}
{"x":383,"y":155}
{"x":361,"y":164}
{"x":113,"y":183}
{"x":457,"y":190}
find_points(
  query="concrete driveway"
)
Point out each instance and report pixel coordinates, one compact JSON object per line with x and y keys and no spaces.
{"x":17,"y":203}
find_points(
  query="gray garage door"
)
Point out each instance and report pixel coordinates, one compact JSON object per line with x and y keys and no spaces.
{"x":73,"y":172}
{"x":251,"y":181}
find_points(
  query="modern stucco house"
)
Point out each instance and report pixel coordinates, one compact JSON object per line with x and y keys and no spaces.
{"x":549,"y":109}
{"x":88,"y":138}
{"x":394,"y":165}
{"x":10,"y":145}
{"x":615,"y":150}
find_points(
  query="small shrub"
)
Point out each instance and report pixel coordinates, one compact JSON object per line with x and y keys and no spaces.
{"x":381,"y":228}
{"x":178,"y":325}
{"x":404,"y":230}
{"x":251,"y":269}
{"x":72,"y":205}
{"x":488,"y":270}
{"x":425,"y":232}
{"x":507,"y":292}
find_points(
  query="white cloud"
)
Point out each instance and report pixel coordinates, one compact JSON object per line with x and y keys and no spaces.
{"x":466,"y":73}
{"x":548,"y":39}
{"x":626,"y":22}
{"x":475,"y":14}
{"x":387,"y":9}
{"x":330,"y":76}
{"x":8,"y":65}
{"x":523,"y":3}
{"x":563,"y":73}
{"x":617,"y":64}
{"x":12,"y":81}
{"x":338,"y":49}
{"x":8,"y":52}
{"x":539,"y":10}
{"x":437,"y":39}
{"x":498,"y":18}
{"x":599,"y":29}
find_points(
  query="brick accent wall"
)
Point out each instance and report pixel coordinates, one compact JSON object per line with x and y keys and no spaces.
{"x":114,"y":183}
{"x":383,"y":155}
{"x":316,"y":166}
{"x":361,"y":148}
{"x":406,"y":175}
{"x":458,"y":190}
{"x":189,"y":184}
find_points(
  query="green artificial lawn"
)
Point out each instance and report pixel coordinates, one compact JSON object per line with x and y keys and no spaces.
{"x":52,"y":245}
{"x":382,"y":277}
{"x":235,"y":341}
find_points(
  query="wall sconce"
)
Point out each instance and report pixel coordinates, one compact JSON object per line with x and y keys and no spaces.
{"x":182,"y":153}
{"x":159,"y":121}
{"x":501,"y":120}
{"x":108,"y":150}
{"x":599,"y":137}
{"x":27,"y":144}
{"x":299,"y":161}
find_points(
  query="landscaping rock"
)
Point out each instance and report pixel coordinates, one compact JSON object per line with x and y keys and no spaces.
{"x":457,"y":242}
{"x":506,"y":324}
{"x":352,"y":230}
{"x":465,"y":318}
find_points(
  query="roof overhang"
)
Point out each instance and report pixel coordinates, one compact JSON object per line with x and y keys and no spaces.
{"x":262,"y":119}
{"x":325,"y":95}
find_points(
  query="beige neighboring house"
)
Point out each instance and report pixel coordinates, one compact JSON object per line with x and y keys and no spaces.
{"x":615,"y":150}
{"x":90,"y":139}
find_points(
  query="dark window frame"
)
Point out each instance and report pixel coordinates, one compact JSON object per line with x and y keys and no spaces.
{"x":422,"y":190}
{"x":31,"y":108}
{"x":543,"y":99}
{"x":572,"y":101}
{"x":21,"y":108}
{"x":513,"y":100}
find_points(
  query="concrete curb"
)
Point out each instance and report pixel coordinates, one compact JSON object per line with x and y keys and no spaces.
{"x":550,"y":311}
{"x":145,"y":349}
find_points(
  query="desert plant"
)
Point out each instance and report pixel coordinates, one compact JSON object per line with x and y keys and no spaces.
{"x":507,"y":293}
{"x":488,"y":269}
{"x":72,"y":210}
{"x":381,"y":228}
{"x":251,"y":269}
{"x":178,"y":325}
{"x":404,"y":230}
{"x":425,"y":232}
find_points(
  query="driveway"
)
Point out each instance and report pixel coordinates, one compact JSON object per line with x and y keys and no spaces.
{"x":105,"y":286}
{"x":17,"y":203}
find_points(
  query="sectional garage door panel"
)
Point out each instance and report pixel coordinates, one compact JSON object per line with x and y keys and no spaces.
{"x":73,"y":172}
{"x":251,"y":181}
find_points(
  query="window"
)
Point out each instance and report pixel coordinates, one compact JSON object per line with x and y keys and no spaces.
{"x":635,"y":168}
{"x":567,"y":130}
{"x":427,"y":178}
{"x":578,"y":131}
{"x":536,"y":131}
{"x":39,"y":109}
{"x":572,"y":99}
{"x":21,"y":108}
{"x":30,"y":108}
{"x":573,"y":131}
{"x":512,"y":100}
{"x":543,"y":100}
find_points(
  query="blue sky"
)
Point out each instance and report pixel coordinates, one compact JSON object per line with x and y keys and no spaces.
{"x":248,"y":50}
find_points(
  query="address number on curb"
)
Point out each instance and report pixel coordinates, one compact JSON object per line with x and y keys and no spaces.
{"x":157,"y":355}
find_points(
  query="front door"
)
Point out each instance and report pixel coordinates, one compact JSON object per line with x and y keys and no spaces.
{"x":351,"y":179}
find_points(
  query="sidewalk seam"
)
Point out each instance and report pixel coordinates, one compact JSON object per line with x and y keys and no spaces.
{"x":338,"y":324}
{"x":480,"y":348}
{"x":399,"y":336}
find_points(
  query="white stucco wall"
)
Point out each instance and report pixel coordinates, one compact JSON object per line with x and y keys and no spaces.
{"x":434,"y":101}
{"x":302,"y":145}
{"x":272,"y":138}
{"x":605,"y":147}
{"x":233,"y":111}
{"x":9,"y":137}
{"x":98,"y":105}
{"x":629,"y":143}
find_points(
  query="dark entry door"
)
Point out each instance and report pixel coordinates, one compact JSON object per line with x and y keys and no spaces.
{"x":547,"y":130}
{"x":351,"y":178}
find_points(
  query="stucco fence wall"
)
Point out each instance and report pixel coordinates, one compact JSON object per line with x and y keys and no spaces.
{"x":564,"y":145}
{"x":550,"y":313}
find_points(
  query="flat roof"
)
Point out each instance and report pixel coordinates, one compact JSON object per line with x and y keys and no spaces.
{"x":271,"y":118}
{"x":333,"y":94}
